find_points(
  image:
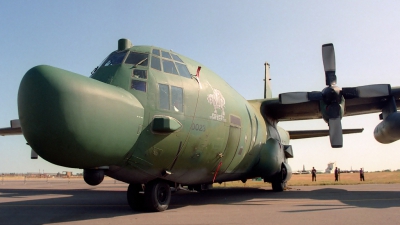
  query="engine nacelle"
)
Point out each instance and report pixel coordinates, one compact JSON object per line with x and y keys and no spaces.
{"x":388,"y":130}
{"x":93,"y":176}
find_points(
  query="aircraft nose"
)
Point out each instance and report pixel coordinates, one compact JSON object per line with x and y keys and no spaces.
{"x":75,"y":121}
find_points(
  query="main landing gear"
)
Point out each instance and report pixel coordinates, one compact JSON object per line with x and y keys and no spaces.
{"x":280,"y":184}
{"x":156,"y":196}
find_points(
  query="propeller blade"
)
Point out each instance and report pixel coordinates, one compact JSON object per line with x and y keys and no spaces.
{"x":374,"y":90}
{"x":328,"y":57}
{"x":335,"y":132}
{"x":293,"y":97}
{"x":368,"y":91}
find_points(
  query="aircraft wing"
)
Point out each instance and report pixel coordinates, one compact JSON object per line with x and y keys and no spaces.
{"x":272,"y":108}
{"x":355,"y":101}
{"x":358,"y":106}
{"x":14,"y":129}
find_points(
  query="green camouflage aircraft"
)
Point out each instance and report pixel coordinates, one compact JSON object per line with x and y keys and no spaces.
{"x":156,"y":119}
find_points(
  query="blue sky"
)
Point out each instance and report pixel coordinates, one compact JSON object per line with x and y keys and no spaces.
{"x":233,"y":38}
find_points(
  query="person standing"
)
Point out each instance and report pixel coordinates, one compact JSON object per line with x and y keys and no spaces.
{"x":314,"y":174}
{"x":336,"y":174}
{"x":361,"y":174}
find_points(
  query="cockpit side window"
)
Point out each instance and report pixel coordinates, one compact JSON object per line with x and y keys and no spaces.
{"x":142,"y":74}
{"x":115,"y":58}
{"x":139,"y":85}
{"x":137,"y":58}
{"x":177,"y":98}
{"x":164,"y":96}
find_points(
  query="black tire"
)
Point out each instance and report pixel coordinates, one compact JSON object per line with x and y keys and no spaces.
{"x":93,"y":176}
{"x":157,"y":195}
{"x":135,"y":198}
{"x":278,"y":186}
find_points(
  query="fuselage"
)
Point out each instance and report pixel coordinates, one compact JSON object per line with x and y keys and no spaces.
{"x":171,"y":118}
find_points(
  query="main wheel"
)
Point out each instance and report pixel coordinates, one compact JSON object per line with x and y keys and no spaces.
{"x":278,"y":186}
{"x":157,"y":195}
{"x":135,"y":198}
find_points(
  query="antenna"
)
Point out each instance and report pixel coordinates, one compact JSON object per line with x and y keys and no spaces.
{"x":267,"y":82}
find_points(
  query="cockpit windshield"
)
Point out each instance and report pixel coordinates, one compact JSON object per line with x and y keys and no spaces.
{"x":115,"y":58}
{"x":137,"y":58}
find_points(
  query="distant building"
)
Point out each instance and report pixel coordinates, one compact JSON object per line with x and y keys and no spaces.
{"x":331,"y":167}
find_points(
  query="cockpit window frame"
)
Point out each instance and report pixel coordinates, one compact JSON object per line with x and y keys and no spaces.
{"x":165,"y":54}
{"x":164,"y":62}
{"x":155,"y":62}
{"x":113,"y":53}
{"x":143,"y":62}
{"x":171,"y":57}
{"x":156,"y":52}
{"x":176,"y":58}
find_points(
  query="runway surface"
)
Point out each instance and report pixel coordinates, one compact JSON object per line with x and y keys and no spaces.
{"x":74,"y":202}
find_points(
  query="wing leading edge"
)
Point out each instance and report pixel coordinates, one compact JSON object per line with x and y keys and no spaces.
{"x":300,"y":134}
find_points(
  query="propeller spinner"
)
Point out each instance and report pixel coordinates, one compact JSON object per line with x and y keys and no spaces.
{"x":333,"y":96}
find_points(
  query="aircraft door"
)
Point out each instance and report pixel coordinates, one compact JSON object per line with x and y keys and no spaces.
{"x":230,"y":149}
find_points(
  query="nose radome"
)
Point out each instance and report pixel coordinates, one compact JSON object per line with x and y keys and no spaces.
{"x":76,"y":121}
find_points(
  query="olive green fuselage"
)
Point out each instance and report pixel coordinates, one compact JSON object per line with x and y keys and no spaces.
{"x":145,"y":120}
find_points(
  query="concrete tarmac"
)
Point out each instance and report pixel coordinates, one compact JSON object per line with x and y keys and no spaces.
{"x":74,"y":202}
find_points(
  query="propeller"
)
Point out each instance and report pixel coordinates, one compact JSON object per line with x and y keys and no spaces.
{"x":332,"y":96}
{"x":328,"y":57}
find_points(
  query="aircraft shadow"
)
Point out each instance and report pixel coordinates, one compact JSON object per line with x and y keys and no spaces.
{"x":39,"y":206}
{"x":258,"y":196}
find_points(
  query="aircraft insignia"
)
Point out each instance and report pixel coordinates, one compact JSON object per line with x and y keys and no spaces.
{"x":218,"y":101}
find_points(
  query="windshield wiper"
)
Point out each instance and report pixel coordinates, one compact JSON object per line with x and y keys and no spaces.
{"x":140,"y":62}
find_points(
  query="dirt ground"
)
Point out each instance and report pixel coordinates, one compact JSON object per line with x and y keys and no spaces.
{"x":325,"y":179}
{"x":296,"y":180}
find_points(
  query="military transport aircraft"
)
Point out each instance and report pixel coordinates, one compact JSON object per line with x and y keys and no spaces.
{"x":156,"y":119}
